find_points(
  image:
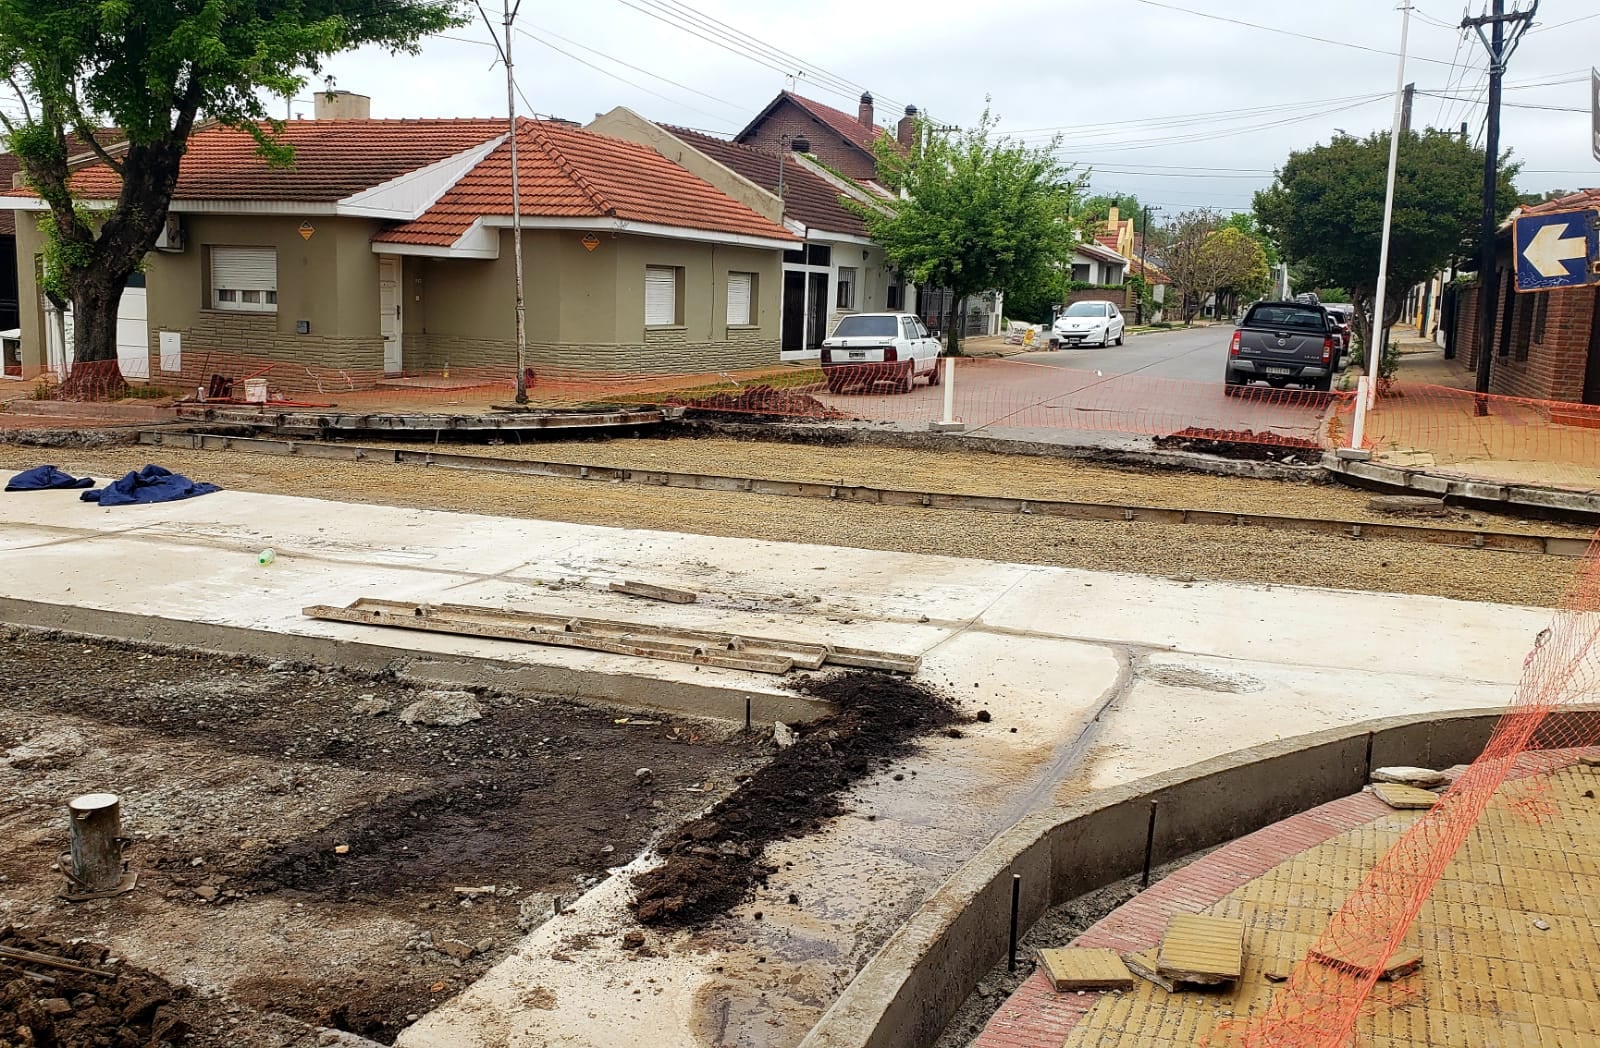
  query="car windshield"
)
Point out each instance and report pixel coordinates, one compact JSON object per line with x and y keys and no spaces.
{"x":867,"y":327}
{"x":1290,"y":317}
{"x":1086,"y":309}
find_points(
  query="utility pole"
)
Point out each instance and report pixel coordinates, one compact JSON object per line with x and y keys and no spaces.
{"x":1406,"y":106}
{"x":1378,"y":331}
{"x":516,"y":209}
{"x":1144,"y":265}
{"x":1500,"y":51}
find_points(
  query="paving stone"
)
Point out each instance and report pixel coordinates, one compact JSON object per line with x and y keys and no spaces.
{"x":1085,"y":970}
{"x":1143,"y":964}
{"x":1401,"y":963}
{"x":1202,"y":949}
{"x":1404,"y":798}
{"x":1422,"y":778}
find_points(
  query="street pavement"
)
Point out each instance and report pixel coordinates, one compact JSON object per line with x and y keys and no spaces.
{"x":1195,"y":355}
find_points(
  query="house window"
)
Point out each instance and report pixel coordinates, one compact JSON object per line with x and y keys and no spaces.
{"x":741,"y":299}
{"x":896,"y":298}
{"x":245,"y":279}
{"x":663,"y":296}
{"x":1539,"y":313}
{"x":1080,"y":274}
{"x":818,"y":254}
{"x":847,"y":288}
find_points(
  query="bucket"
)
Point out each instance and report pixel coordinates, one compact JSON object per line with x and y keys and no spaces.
{"x":255,"y":391}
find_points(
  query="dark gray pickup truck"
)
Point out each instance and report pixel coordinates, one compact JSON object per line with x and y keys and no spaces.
{"x":1283,"y":342}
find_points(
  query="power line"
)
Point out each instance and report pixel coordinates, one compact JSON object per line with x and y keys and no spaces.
{"x":1509,"y":105}
{"x":1562,"y":25}
{"x":626,"y":64}
{"x":1285,"y":32}
{"x":622,"y":79}
{"x":1212,"y":135}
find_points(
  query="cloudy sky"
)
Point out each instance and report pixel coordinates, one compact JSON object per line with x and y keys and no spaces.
{"x":1185,"y":103}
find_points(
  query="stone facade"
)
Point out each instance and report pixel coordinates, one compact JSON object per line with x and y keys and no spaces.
{"x":1544,"y":343}
{"x":744,"y":348}
{"x":236,"y":344}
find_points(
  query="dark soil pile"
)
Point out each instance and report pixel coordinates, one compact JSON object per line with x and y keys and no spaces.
{"x":714,"y":862}
{"x":1244,"y":444}
{"x":52,"y":1006}
{"x":758,"y":402}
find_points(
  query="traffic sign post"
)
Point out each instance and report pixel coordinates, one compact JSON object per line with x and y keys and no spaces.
{"x":1557,"y":251}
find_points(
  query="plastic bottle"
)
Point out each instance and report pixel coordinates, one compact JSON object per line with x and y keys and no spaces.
{"x":266,"y":557}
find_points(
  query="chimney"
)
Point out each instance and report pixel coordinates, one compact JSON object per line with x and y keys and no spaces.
{"x":342,"y":105}
{"x":1114,"y":218}
{"x":906,"y":132}
{"x":865,"y":115}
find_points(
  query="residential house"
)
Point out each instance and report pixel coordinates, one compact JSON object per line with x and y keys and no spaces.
{"x":1094,"y":263}
{"x":1546,"y":344}
{"x":1117,"y":234}
{"x":385,"y":249}
{"x":843,"y":148}
{"x":836,"y":271}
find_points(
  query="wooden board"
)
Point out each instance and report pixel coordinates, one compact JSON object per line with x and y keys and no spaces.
{"x":649,"y":592}
{"x":1404,"y":798}
{"x":1201,"y":949}
{"x":1071,"y":969}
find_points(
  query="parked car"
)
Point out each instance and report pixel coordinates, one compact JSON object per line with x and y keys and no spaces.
{"x":1097,"y":323}
{"x":1283,"y":342}
{"x":868,"y":349}
{"x":1343,"y":315}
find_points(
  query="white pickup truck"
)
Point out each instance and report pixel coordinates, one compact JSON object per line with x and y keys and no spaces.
{"x":871,"y":348}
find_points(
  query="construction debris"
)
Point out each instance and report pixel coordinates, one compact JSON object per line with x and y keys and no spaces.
{"x":1422,"y":778}
{"x":1078,"y":969}
{"x":1402,"y":963}
{"x":1404,"y":798}
{"x":646,"y":590}
{"x":1203,"y":950}
{"x":1144,"y":965}
{"x":673,"y":644}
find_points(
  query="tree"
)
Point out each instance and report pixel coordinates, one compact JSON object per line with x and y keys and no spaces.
{"x":1325,"y":210}
{"x":152,"y":68}
{"x":1246,"y":223}
{"x":1097,"y":208}
{"x":1238,"y":264}
{"x":977,"y":214}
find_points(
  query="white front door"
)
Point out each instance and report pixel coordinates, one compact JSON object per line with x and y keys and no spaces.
{"x":389,"y":321}
{"x":133,"y":332}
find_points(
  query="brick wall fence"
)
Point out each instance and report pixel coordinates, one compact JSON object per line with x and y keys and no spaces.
{"x":1121,"y":296}
{"x":665,"y":352}
{"x":1547,"y":356}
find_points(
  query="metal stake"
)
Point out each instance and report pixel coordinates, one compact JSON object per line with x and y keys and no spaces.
{"x":1016,"y":893}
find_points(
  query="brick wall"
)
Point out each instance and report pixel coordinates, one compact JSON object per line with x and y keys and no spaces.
{"x":1120,"y":296}
{"x":1555,"y":364}
{"x":790,"y":121}
{"x":218,"y":339}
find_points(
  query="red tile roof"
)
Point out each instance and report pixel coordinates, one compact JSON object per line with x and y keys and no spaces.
{"x":807,"y":196}
{"x":1106,"y":240}
{"x":565,"y":172}
{"x":77,"y":150}
{"x":333,"y":159}
{"x":1579,"y":201}
{"x":847,"y":124}
{"x":1099,"y":250}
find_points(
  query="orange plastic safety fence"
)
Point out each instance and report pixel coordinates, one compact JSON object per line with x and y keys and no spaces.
{"x":1322,"y":1002}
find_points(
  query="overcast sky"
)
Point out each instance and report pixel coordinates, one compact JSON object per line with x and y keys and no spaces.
{"x":1181,"y":109}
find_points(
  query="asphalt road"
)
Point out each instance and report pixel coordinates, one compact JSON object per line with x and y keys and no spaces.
{"x":1194,"y":355}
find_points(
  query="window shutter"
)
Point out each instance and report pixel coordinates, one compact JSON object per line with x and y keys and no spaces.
{"x":660,"y":296}
{"x":738,"y":298}
{"x":244,"y":268}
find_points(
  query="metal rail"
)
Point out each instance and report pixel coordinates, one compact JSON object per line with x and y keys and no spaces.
{"x":1504,"y":542}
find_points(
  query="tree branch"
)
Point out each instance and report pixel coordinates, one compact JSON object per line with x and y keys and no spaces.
{"x":82,"y":129}
{"x":21,"y":97}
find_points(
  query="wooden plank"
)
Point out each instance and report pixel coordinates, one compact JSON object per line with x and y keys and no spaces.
{"x":1202,"y":949}
{"x":646,"y":590}
{"x":1074,"y":969}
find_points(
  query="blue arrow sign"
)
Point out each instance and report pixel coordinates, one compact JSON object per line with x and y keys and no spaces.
{"x":1556,"y":251}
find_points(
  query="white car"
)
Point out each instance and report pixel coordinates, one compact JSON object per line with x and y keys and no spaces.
{"x":1086,"y":323}
{"x":871,"y":348}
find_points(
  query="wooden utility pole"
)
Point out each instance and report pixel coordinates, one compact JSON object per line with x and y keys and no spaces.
{"x":1500,"y":48}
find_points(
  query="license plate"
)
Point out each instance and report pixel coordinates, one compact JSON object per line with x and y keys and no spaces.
{"x":858,"y":354}
{"x":1279,"y":371}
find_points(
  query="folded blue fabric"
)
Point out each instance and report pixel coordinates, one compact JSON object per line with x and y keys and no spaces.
{"x":149,"y":485}
{"x":46,"y":478}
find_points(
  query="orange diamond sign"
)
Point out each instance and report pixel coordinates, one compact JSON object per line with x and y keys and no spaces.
{"x":306,"y":229}
{"x":590,"y":242}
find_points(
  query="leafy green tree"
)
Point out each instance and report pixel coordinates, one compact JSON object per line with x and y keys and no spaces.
{"x":1238,"y":263}
{"x":1325,"y":210}
{"x":980,"y":213}
{"x":153,"y":68}
{"x":1244,"y":222}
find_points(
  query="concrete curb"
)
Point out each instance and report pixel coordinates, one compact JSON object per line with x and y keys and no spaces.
{"x":1494,"y":495}
{"x":914,"y":985}
{"x":593,"y":687}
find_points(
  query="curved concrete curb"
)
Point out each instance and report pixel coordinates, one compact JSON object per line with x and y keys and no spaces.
{"x":911,"y":989}
{"x":629,"y":691}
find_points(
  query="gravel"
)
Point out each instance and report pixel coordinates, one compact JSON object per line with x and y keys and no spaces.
{"x":1201,"y":551}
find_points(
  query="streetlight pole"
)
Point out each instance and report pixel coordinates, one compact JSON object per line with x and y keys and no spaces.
{"x":1144,"y":260}
{"x":1378,"y":331}
{"x":516,"y":209}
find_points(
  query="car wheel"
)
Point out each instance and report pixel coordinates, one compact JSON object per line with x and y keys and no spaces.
{"x":835,"y":381}
{"x":1122,"y":337}
{"x":1233,"y":384}
{"x":907,"y":379}
{"x":937,"y":373}
{"x":1323,"y":385}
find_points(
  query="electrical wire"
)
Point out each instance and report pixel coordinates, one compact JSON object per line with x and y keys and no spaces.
{"x":614,"y":76}
{"x":529,"y":33}
{"x":1287,"y":32}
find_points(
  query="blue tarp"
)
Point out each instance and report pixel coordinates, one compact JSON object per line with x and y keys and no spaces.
{"x":151,"y":484}
{"x":46,"y":478}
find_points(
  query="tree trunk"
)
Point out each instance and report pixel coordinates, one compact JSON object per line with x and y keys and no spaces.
{"x":96,"y":374}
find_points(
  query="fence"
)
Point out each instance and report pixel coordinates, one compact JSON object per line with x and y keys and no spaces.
{"x":1432,"y":426}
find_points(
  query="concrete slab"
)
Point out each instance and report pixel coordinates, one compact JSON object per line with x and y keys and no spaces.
{"x":1202,"y":949}
{"x":1080,"y":969}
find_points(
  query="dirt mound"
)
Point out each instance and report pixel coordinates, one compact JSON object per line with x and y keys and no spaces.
{"x":51,"y":1006}
{"x":1244,"y":444}
{"x":713,"y":862}
{"x":758,"y":402}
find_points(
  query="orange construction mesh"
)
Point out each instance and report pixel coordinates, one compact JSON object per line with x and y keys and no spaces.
{"x":1320,"y":1005}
